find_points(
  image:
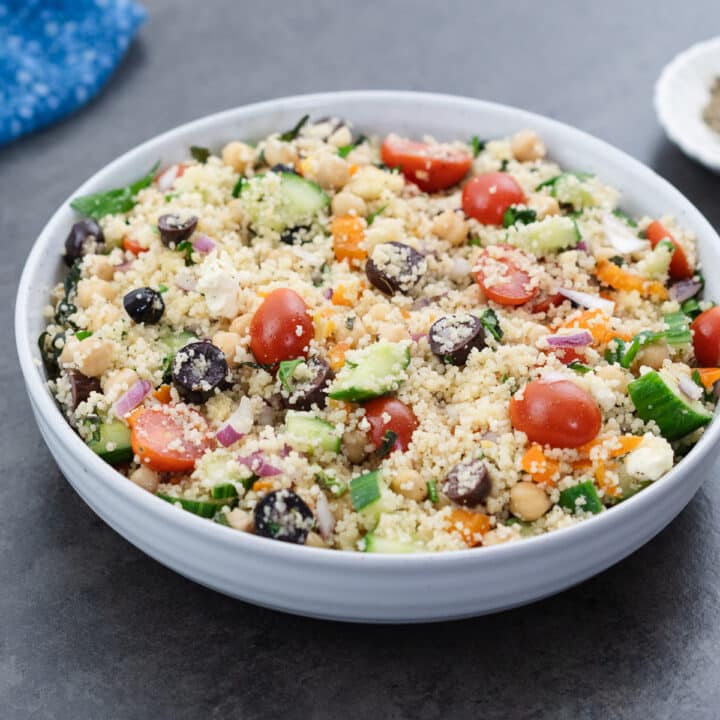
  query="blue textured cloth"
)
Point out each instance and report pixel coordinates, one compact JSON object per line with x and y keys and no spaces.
{"x":56,"y":54}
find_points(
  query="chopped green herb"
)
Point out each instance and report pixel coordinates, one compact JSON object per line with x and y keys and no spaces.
{"x":491,"y":324}
{"x":513,"y":215}
{"x":364,"y":490}
{"x":201,"y":154}
{"x":371,"y":217}
{"x":186,"y":247}
{"x":72,"y":278}
{"x":118,"y":200}
{"x":170,"y":196}
{"x":238,"y":188}
{"x":625,"y":217}
{"x":162,"y":288}
{"x":287,"y":368}
{"x":474,"y":241}
{"x":477,"y":145}
{"x":345,"y":150}
{"x":350,"y":323}
{"x":388,"y":442}
{"x":553,"y":180}
{"x":618,"y":260}
{"x":335,"y":487}
{"x":504,"y":165}
{"x":579,"y":368}
{"x":247,"y":483}
{"x":291,"y":134}
{"x":82,"y":334}
{"x":432,"y":491}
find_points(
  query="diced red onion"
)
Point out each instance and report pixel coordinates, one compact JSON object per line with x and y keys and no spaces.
{"x":203,"y":244}
{"x":132,"y":398}
{"x":227,"y":435}
{"x":621,"y":237}
{"x":417,"y":337}
{"x":582,"y":245}
{"x":285,"y":450}
{"x":257,"y":463}
{"x":327,"y":293}
{"x":690,"y":388}
{"x":684,"y":290}
{"x":593,"y":302}
{"x":575,"y":339}
{"x":325,"y":518}
{"x":167,"y":178}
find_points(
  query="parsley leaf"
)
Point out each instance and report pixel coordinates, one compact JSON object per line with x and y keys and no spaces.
{"x":287,"y":368}
{"x":388,"y":442}
{"x":477,"y":144}
{"x":371,"y":217}
{"x":238,"y":188}
{"x":491,"y":324}
{"x":291,"y":134}
{"x":518,"y":215}
{"x":201,"y":154}
{"x":186,"y":247}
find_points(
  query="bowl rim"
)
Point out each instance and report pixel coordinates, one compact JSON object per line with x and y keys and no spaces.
{"x":664,"y":104}
{"x":164,"y":512}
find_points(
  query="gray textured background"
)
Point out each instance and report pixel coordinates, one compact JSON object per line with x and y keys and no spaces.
{"x":90,"y":628}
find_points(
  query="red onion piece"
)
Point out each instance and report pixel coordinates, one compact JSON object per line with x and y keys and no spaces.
{"x":684,"y":290}
{"x":581,"y":338}
{"x":327,"y":293}
{"x":593,"y":302}
{"x":203,"y":244}
{"x":227,"y":435}
{"x":417,"y":337}
{"x":132,"y":398}
{"x":124,"y":266}
{"x":690,"y":388}
{"x":257,"y":463}
{"x":325,"y":518}
{"x":582,"y":245}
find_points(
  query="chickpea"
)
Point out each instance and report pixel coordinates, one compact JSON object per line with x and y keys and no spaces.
{"x":543,"y":205}
{"x":240,"y":324}
{"x":100,"y":266}
{"x":528,"y":501}
{"x":228,"y":342}
{"x":91,"y":356}
{"x":239,"y":156}
{"x":90,"y":288}
{"x":410,"y":484}
{"x":240,"y":520}
{"x":527,"y":146}
{"x":315,"y":540}
{"x":652,"y":355}
{"x":278,"y":152}
{"x":345,"y":203}
{"x":342,"y":136}
{"x":392,"y":332}
{"x":145,"y":478}
{"x":118,"y":381}
{"x":450,"y":226}
{"x":331,"y":172}
{"x":353,"y":444}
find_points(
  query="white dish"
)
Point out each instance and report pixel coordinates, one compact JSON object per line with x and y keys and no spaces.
{"x":356,"y":586}
{"x":681,"y":93}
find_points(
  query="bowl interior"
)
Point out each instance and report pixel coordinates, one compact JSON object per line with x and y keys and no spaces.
{"x":373,"y":112}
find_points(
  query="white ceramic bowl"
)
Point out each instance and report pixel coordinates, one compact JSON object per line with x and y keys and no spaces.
{"x":681,"y":93}
{"x":356,"y":586}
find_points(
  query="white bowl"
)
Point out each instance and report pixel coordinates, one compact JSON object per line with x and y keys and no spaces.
{"x":356,"y":586}
{"x":681,"y":93}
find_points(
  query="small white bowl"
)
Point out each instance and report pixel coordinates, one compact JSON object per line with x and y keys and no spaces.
{"x":359,"y":586}
{"x":681,"y":93}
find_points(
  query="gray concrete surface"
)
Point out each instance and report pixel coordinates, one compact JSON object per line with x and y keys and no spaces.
{"x":91,"y":628}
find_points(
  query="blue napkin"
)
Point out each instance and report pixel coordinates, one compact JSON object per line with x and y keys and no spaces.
{"x":56,"y":54}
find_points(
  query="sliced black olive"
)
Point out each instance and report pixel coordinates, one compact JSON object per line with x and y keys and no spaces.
{"x":280,"y":168}
{"x":454,"y":336}
{"x":144,"y":305}
{"x":81,"y":386}
{"x":468,"y":483}
{"x":197,"y":369}
{"x":283,"y":515}
{"x":296,"y":235}
{"x":173,"y":229}
{"x":311,"y":389}
{"x":63,"y":311}
{"x":395,"y":267}
{"x":85,"y":237}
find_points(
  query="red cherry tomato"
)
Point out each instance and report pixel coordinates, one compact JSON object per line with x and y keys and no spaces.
{"x":514,"y":287}
{"x":546,"y":303}
{"x":387,"y":413}
{"x":706,"y":337}
{"x":133,"y":246}
{"x":281,"y":328}
{"x":430,"y":167}
{"x":680,"y":268}
{"x":569,"y":355}
{"x":487,"y":197}
{"x":559,"y":414}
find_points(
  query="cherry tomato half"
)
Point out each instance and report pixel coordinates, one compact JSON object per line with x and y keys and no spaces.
{"x":168,"y":441}
{"x":430,"y":167}
{"x":387,"y":413}
{"x":706,"y":337}
{"x":680,"y":268}
{"x":514,"y":289}
{"x":559,"y":414}
{"x":487,"y":197}
{"x":281,"y":328}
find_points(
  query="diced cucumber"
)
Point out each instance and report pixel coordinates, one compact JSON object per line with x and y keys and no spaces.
{"x":656,"y":263}
{"x":337,"y":488}
{"x":374,"y":544}
{"x":549,"y":235}
{"x":581,"y":498}
{"x":113,"y":442}
{"x":677,"y":331}
{"x":296,"y":201}
{"x":370,"y":372}
{"x":656,"y":396}
{"x":570,"y":188}
{"x":224,"y":491}
{"x":310,"y":432}
{"x":365,"y":490}
{"x":203,"y":508}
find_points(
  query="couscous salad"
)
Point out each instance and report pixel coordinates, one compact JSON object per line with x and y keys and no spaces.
{"x":381,"y":344}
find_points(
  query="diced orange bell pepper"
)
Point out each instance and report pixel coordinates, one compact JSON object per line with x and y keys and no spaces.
{"x":336,"y":355}
{"x":603,"y":481}
{"x":260,"y":485}
{"x":340,"y":298}
{"x":610,"y":274}
{"x":348,"y":233}
{"x":469,"y":524}
{"x":542,"y":469}
{"x":709,"y":376}
{"x":162,"y":394}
